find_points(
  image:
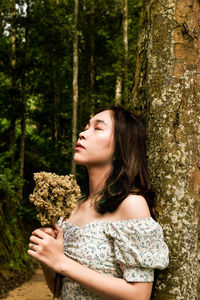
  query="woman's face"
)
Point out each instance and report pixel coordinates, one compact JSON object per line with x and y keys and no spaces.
{"x":95,"y":146}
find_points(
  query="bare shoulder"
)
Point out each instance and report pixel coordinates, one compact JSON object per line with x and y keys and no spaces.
{"x":133,"y":207}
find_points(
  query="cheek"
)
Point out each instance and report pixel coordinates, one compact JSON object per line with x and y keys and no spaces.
{"x":106,"y":145}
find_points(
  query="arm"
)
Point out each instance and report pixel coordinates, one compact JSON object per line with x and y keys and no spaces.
{"x":50,"y":277}
{"x":108,"y":287}
{"x":50,"y":252}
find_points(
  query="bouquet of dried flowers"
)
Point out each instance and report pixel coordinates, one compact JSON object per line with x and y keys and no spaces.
{"x":54,"y":196}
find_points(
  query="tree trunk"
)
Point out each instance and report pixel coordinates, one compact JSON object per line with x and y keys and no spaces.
{"x":118,"y":90}
{"x":1,"y":21}
{"x":75,"y":83}
{"x":14,"y":87}
{"x":57,"y":93}
{"x":22,"y":141}
{"x":57,"y":96}
{"x":92,"y":73}
{"x":166,"y":92}
{"x":125,"y":40}
{"x":23,"y":120}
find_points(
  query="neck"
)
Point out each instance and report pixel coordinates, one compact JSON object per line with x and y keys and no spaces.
{"x":97,"y":178}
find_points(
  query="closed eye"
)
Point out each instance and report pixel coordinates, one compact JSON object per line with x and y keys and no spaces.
{"x":96,"y":128}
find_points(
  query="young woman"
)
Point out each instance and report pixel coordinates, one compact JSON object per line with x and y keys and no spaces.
{"x":110,"y":245}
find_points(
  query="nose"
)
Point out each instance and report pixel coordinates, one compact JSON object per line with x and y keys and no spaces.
{"x":81,"y":135}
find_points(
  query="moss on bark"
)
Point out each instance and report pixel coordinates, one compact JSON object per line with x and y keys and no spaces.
{"x":13,"y":247}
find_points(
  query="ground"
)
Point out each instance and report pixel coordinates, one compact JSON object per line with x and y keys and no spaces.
{"x":34,"y":289}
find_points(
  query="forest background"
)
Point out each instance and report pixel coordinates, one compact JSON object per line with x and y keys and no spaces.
{"x":60,"y":61}
{"x":39,"y":59}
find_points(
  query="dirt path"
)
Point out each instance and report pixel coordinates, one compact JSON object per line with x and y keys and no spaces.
{"x":34,"y":289}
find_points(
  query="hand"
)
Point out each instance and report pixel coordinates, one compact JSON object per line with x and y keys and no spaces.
{"x":46,"y":248}
{"x":50,"y":231}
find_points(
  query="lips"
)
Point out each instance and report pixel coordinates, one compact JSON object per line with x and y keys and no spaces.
{"x":78,"y":145}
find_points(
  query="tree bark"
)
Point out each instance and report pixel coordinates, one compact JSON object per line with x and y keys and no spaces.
{"x":92,"y":72}
{"x":57,"y":95}
{"x":75,"y":83}
{"x":166,"y":93}
{"x":1,"y":21}
{"x":125,"y":40}
{"x":14,"y":87}
{"x":24,"y":100}
{"x":118,"y":90}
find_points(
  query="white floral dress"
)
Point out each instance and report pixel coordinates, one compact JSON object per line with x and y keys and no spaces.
{"x":128,"y":249}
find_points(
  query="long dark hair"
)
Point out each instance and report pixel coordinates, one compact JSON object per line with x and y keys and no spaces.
{"x":129,"y":173}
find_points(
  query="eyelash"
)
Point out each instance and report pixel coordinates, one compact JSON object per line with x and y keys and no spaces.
{"x":96,"y":128}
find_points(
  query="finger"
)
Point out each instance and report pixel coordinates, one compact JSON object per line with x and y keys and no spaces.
{"x":32,"y":247}
{"x":59,"y":232}
{"x":57,"y":227}
{"x":35,"y":240}
{"x":40,"y":233}
{"x":49,"y":231}
{"x":32,"y":253}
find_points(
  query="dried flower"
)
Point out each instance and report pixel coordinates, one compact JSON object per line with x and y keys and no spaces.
{"x":54,"y":196}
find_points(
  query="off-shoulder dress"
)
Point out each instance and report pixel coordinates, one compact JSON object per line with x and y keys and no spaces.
{"x":129,"y":249}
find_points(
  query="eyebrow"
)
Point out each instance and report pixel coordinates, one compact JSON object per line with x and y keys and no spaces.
{"x":99,"y":121}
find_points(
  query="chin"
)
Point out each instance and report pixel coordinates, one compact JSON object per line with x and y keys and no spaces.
{"x":78,"y":161}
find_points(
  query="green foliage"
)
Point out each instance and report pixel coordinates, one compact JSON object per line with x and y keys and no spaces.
{"x":9,"y":178}
{"x":44,"y":69}
{"x":13,"y":251}
{"x":13,"y":247}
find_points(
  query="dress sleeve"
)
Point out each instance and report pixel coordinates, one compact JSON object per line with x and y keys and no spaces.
{"x":139,"y":248}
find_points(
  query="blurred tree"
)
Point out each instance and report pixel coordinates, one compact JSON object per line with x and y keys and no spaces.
{"x":75,"y":83}
{"x":125,"y":41}
{"x":24,"y":103}
{"x":13,"y":59}
{"x":92,"y":63}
